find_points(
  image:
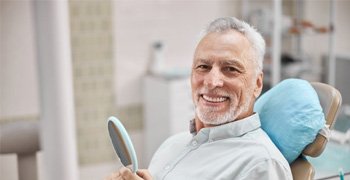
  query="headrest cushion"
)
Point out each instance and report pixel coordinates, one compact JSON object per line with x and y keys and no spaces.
{"x":291,"y":115}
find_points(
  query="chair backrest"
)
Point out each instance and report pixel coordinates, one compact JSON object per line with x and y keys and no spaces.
{"x":330,"y":100}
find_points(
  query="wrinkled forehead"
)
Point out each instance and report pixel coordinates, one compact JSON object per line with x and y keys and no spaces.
{"x":229,"y":39}
{"x":225,"y":45}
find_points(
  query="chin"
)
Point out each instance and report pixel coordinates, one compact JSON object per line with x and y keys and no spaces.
{"x":211,"y":118}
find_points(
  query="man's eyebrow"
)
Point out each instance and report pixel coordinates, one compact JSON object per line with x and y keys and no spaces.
{"x":205,"y":61}
{"x":234,"y":62}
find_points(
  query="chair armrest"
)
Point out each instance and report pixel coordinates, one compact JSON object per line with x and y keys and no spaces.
{"x":19,"y":137}
{"x":302,"y":169}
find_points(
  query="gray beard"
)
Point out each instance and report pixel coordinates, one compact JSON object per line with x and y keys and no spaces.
{"x":211,"y":117}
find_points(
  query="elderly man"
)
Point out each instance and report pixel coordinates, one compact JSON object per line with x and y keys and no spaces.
{"x":226,"y":140}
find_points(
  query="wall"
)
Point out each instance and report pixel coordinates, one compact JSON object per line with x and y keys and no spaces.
{"x":91,"y":40}
{"x":342,"y":25}
{"x":137,"y":24}
{"x":318,"y":12}
{"x":18,"y":66}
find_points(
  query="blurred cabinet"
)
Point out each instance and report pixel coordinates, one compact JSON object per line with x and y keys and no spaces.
{"x":168,"y":108}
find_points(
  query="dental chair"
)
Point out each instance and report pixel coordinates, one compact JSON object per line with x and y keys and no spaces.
{"x":330,"y":100}
{"x":22,"y":138}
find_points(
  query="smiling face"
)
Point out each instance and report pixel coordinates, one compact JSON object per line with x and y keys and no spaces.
{"x":224,"y":79}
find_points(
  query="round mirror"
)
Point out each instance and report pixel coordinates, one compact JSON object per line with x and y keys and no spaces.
{"x":122,"y":143}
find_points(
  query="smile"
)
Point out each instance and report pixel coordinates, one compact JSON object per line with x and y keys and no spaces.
{"x":214,"y":99}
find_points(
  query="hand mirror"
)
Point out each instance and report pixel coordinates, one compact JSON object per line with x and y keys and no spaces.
{"x":122,"y":143}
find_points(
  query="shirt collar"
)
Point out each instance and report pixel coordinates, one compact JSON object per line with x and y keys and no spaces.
{"x":232,"y":129}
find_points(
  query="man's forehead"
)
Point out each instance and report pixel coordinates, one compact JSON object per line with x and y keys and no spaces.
{"x":228,"y":34}
{"x":223,"y":61}
{"x":222,"y":43}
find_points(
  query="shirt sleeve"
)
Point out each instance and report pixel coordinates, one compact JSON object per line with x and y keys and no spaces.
{"x":266,"y":170}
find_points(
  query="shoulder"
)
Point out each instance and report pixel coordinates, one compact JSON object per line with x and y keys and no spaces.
{"x":267,"y":158}
{"x":176,"y":140}
{"x":265,"y":145}
{"x":169,"y":150}
{"x":268,"y":169}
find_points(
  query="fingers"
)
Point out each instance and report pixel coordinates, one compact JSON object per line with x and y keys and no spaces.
{"x":121,"y":174}
{"x":144,"y":174}
{"x":113,"y":176}
{"x":126,"y":174}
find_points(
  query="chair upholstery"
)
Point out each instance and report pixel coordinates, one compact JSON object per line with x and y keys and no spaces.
{"x":330,"y":100}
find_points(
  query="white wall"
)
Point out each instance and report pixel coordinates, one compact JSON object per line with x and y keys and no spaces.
{"x":18,"y":78}
{"x":342,"y":27}
{"x":138,"y":24}
{"x":318,"y":12}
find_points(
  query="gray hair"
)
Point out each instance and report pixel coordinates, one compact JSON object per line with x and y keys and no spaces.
{"x":254,"y":37}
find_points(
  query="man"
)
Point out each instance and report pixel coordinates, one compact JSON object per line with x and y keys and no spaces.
{"x":227,"y":141}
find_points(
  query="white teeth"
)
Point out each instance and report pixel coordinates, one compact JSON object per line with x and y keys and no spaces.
{"x":216,"y":100}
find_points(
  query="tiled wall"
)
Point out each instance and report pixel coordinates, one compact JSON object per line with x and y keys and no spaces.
{"x":91,"y":39}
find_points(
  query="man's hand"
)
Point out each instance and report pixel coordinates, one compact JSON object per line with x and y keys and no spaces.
{"x":126,"y":174}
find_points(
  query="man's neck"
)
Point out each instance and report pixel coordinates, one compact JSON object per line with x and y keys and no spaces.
{"x":199,"y":124}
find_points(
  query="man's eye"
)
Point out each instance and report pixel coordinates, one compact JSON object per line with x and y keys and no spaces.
{"x":203,"y":67}
{"x":231,"y":69}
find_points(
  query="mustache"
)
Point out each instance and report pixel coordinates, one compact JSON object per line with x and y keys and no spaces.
{"x":218,"y":92}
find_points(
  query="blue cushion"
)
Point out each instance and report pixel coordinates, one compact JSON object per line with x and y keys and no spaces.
{"x":291,"y":115}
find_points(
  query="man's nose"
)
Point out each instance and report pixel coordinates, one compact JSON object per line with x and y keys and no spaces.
{"x":214,"y":79}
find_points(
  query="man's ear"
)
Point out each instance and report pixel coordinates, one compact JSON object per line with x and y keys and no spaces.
{"x":259,"y":85}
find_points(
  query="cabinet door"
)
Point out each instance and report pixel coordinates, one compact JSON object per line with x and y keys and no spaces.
{"x":181,"y":105}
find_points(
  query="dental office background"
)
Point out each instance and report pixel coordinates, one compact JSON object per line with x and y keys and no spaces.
{"x":132,"y":59}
